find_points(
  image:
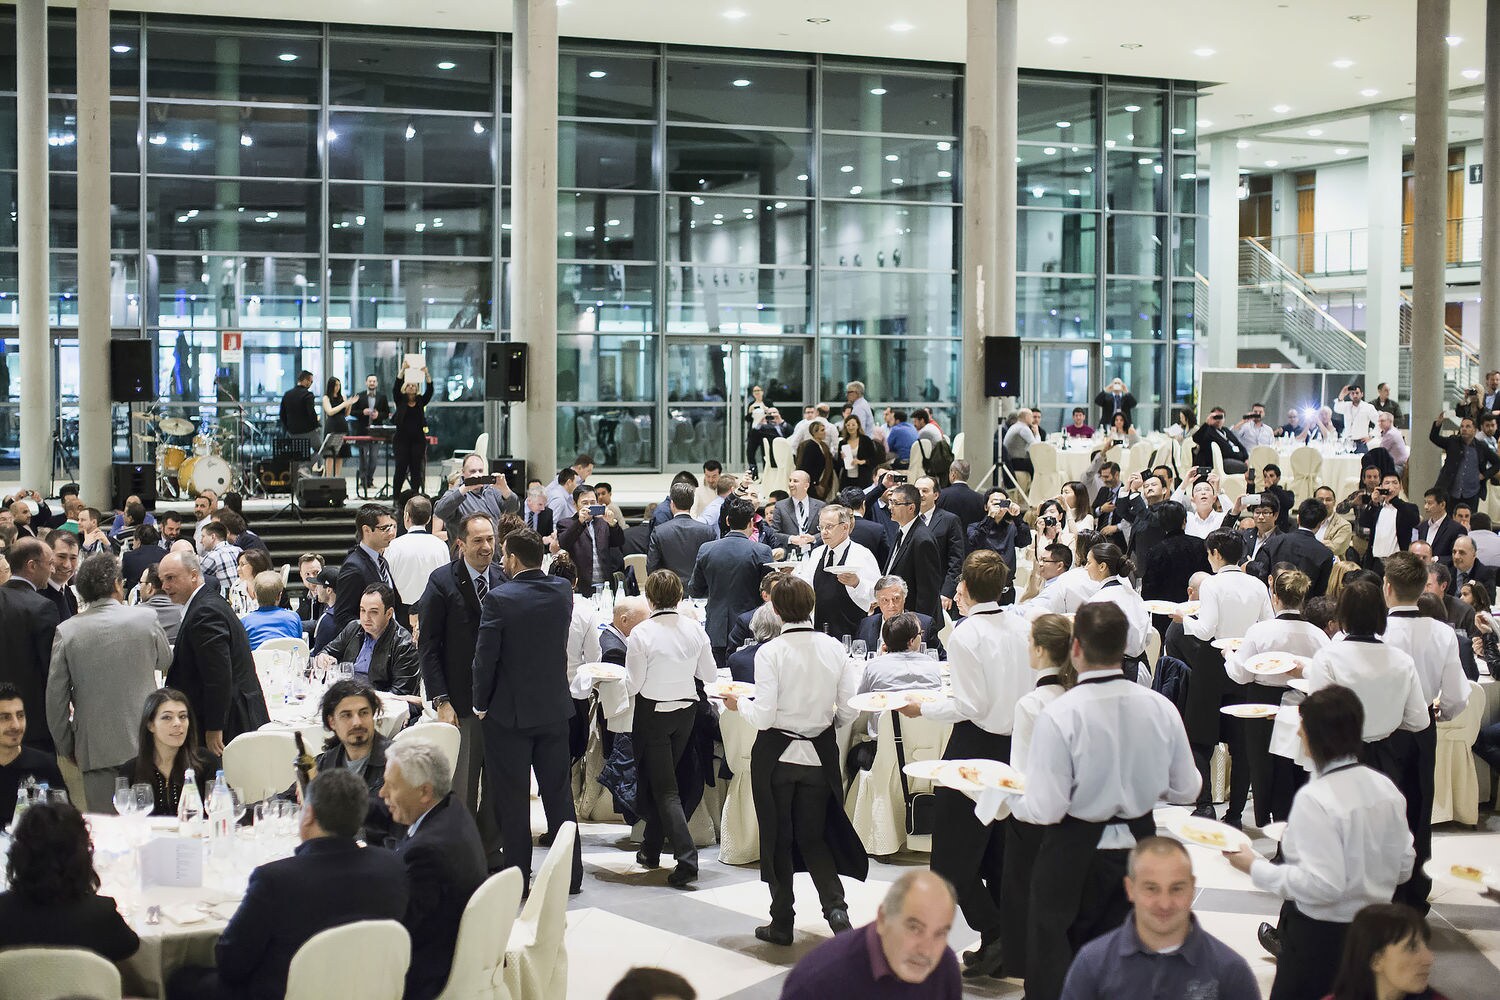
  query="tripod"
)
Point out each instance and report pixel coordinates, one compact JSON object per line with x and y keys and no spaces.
{"x":295,"y":450}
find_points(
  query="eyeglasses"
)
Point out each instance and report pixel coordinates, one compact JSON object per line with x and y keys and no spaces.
{"x":899,"y":503}
{"x":386,"y":527}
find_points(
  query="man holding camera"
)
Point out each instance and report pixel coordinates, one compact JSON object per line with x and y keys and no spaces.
{"x":475,"y":491}
{"x":1003,"y":530}
{"x":592,"y":537}
{"x":1469,"y":463}
{"x":1359,"y":417}
{"x":1386,"y":522}
{"x":1253,"y":431}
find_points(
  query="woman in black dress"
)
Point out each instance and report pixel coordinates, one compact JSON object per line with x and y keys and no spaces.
{"x":168,"y":745}
{"x":335,"y":424}
{"x":814,"y":458}
{"x":866,"y":453}
{"x":410,"y":441}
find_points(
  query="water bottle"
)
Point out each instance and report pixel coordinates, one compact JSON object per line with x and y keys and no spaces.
{"x":23,"y":802}
{"x":220,"y":809}
{"x":190,"y":806}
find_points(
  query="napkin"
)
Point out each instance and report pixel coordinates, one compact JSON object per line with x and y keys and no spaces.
{"x":184,"y":913}
{"x":992,"y":805}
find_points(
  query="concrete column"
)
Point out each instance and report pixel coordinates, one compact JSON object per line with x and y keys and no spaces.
{"x":94,"y":408}
{"x":1489,"y":313}
{"x":1223,"y":253}
{"x":38,"y":405}
{"x":1429,"y":278}
{"x":991,"y":95}
{"x":1383,"y":253}
{"x":533,"y":237}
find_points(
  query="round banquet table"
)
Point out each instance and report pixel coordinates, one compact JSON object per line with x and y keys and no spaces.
{"x":302,"y":716}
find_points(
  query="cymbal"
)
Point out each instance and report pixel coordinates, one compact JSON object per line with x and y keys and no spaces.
{"x":176,"y":426}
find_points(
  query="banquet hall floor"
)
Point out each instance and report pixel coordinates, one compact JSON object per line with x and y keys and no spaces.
{"x":626,"y":916}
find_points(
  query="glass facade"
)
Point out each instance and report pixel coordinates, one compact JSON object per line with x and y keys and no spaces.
{"x":727,"y":219}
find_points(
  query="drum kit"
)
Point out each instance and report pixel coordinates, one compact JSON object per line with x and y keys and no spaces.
{"x":187,"y":462}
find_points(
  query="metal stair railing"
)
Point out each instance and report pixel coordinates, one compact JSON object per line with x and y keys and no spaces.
{"x":1304,"y":325}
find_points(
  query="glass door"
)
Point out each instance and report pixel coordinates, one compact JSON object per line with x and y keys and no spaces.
{"x":1055,"y":378}
{"x":710,"y":390}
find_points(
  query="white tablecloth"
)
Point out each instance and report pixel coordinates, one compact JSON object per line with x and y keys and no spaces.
{"x":303,"y":716}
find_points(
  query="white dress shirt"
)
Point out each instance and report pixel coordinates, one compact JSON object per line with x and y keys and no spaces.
{"x":905,"y":671}
{"x":663,"y":656}
{"x":860,"y":561}
{"x":1229,"y":602}
{"x":1027,"y":711}
{"x":583,"y":635}
{"x":989,"y":667}
{"x":1282,"y":634}
{"x":1359,"y":420}
{"x":412,"y":558}
{"x":901,"y":534}
{"x":1346,"y":844}
{"x":1200,"y":527}
{"x":1106,"y":751}
{"x":1135,"y":611}
{"x":1433,"y":647}
{"x":1384,"y":678}
{"x":1076,"y":588}
{"x":1252,"y":435}
{"x":803,"y":683}
{"x":1384,"y":542}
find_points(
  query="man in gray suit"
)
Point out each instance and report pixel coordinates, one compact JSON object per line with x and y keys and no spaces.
{"x":104,"y":661}
{"x":728,"y":573}
{"x":797,"y":515}
{"x":674,"y":545}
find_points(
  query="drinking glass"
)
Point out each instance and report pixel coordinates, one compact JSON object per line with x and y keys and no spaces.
{"x":124,"y":797}
{"x":857,"y":649}
{"x":145,"y":799}
{"x":847,"y":641}
{"x":57,"y":796}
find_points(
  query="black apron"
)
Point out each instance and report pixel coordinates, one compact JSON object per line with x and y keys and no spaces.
{"x":1130,"y":664}
{"x":835,"y":612}
{"x":1270,"y":802}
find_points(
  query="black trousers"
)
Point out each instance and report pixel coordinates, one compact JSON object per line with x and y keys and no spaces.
{"x":369,"y":457}
{"x":801,"y":795}
{"x":660,"y":739}
{"x":1286,"y":777}
{"x":1256,"y":743}
{"x":1239,"y":769}
{"x":410,"y":456}
{"x":1409,"y":760}
{"x":966,"y":852}
{"x":510,"y":755}
{"x":1309,"y":955}
{"x":578,"y":730}
{"x":1022,"y":840}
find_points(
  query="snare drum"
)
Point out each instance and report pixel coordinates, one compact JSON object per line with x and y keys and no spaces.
{"x":172,"y":458}
{"x":203,"y":445}
{"x":210,"y":472}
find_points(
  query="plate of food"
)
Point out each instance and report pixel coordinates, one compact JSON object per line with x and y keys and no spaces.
{"x":739,"y":689}
{"x":1161,"y":607}
{"x":1188,"y":608}
{"x":601,"y":671}
{"x":1272,"y":664}
{"x":878,"y":701}
{"x":979,"y":773}
{"x":1229,"y":645}
{"x":922,"y":697}
{"x":782,"y":565}
{"x":1251,"y":711}
{"x":925,"y":770}
{"x":1209,"y":833}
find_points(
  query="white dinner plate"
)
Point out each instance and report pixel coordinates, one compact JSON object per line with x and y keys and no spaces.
{"x":1273,"y":663}
{"x":1251,"y":711}
{"x":925,"y":770}
{"x":1205,"y":832}
{"x":977,"y":774}
{"x":878,"y":701}
{"x":739,"y":689}
{"x":1188,"y":608}
{"x":1161,"y":607}
{"x":1469,"y":875}
{"x":783,"y":564}
{"x":1300,"y":684}
{"x":601,"y":671}
{"x":1229,"y":645}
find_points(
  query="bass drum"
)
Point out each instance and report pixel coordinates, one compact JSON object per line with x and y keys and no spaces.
{"x":210,"y":472}
{"x":185,"y":473}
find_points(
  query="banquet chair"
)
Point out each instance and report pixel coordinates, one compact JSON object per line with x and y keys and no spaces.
{"x":957,"y":445}
{"x":438,"y":734}
{"x":536,"y":960}
{"x":786,"y":461}
{"x":483,"y":932}
{"x":1305,"y":472}
{"x":57,"y":974}
{"x":1263,"y":455}
{"x":1046,"y":479}
{"x":739,"y":836}
{"x":875,"y":804}
{"x":775,"y":467}
{"x":1164,"y":455}
{"x":636,"y":562}
{"x":363,"y":960}
{"x":286,"y":644}
{"x":1455,"y":790}
{"x":1231,"y":486}
{"x":916,"y":460}
{"x":260,"y":764}
{"x":1153,"y":649}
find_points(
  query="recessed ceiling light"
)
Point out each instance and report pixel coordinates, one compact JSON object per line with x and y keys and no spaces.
{"x":878,"y":91}
{"x":1058,"y":39}
{"x":846,"y":169}
{"x":1272,"y":163}
{"x":1132,"y":108}
{"x":898,"y":180}
{"x":802,"y":177}
{"x":1179,"y":131}
{"x":1454,"y":40}
{"x":1131,"y":46}
{"x":1282,"y":109}
{"x":1203,"y":53}
{"x":891,"y":157}
{"x":857,"y":189}
{"x":1145,"y":161}
{"x":1342,"y":63}
{"x":598,"y":74}
{"x":1064,"y":124}
{"x":120,"y":49}
{"x":447,"y":65}
{"x":1205,"y":123}
{"x":1341,"y":151}
{"x":1472,"y":74}
{"x":734,"y":15}
{"x":288,"y":57}
{"x":1369,"y":92}
{"x":1050,"y":151}
{"x":944,"y":174}
{"x":943,"y":147}
{"x":817,"y":20}
{"x":901,"y":26}
{"x":1315,"y":132}
{"x":742,"y":82}
{"x":1242,"y":144}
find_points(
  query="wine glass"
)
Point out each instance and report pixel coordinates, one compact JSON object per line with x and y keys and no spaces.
{"x":857,"y":649}
{"x":145,"y":799}
{"x":124,"y":797}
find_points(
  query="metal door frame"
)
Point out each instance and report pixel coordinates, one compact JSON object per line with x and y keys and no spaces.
{"x":736,"y":395}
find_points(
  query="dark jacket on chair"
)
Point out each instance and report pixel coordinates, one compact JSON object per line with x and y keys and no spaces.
{"x":445,"y":864}
{"x":92,"y":923}
{"x":212,"y":665}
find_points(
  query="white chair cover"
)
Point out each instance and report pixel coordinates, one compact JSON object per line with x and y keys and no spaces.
{"x":874,"y":803}
{"x":637,"y":561}
{"x":260,"y":764}
{"x":739,"y":837}
{"x":786,"y":461}
{"x":439,"y":734}
{"x":57,"y":974}
{"x":1231,"y":486}
{"x":536,"y":962}
{"x":1263,"y":455}
{"x":1046,"y":480}
{"x":916,"y":463}
{"x":365,"y":960}
{"x":297,"y":647}
{"x":1153,"y":648}
{"x":484,"y":931}
{"x":957,"y":446}
{"x":1306,"y":472}
{"x":1455,"y":790}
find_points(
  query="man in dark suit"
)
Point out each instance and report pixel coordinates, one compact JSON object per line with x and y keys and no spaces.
{"x":960,"y":499}
{"x":1114,"y":399}
{"x":365,"y":564}
{"x":443,"y":857}
{"x":1267,"y":516}
{"x":1460,"y":612}
{"x":797,"y":515}
{"x":309,"y":565}
{"x":870,"y":534}
{"x":370,"y":407}
{"x":521,"y":695}
{"x":1286,"y":500}
{"x":890,"y":594}
{"x":28,"y":622}
{"x":915,"y":556}
{"x":449,"y":615}
{"x":728,"y":573}
{"x":299,"y":411}
{"x":535,"y":513}
{"x":350,"y":710}
{"x":1438,"y":529}
{"x":1301,"y":548}
{"x":211,"y":663}
{"x":586,"y":533}
{"x":740,"y":631}
{"x":1386,"y":513}
{"x":59,"y":590}
{"x":1213,"y":432}
{"x":1458,"y":478}
{"x":381,"y":649}
{"x":675,"y":544}
{"x":1468,"y":569}
{"x":329,"y":881}
{"x":948,"y":534}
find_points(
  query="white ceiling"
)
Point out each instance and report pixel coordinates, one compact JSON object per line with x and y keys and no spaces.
{"x":1265,"y":53}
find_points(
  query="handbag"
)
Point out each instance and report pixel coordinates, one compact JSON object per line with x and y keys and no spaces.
{"x":921,"y":816}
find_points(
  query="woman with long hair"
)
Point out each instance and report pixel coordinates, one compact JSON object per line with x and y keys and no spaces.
{"x":1486,"y":644}
{"x":409,"y":444}
{"x":858,"y":455}
{"x":169,"y":744}
{"x":1386,"y":956}
{"x":814,"y":458}
{"x":1107,"y":566}
{"x":1075,"y":502}
{"x":251,"y":563}
{"x":335,"y":423}
{"x":1122,"y":430}
{"x":53,"y":899}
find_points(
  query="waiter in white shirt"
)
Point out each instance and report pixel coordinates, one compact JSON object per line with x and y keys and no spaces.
{"x":1359,"y":416}
{"x":842,"y":574}
{"x":1345,"y":846}
{"x":667,"y":656}
{"x":1433,"y":647}
{"x":1101,"y":757}
{"x":1108,"y":567}
{"x":803,"y":683}
{"x":989,"y":666}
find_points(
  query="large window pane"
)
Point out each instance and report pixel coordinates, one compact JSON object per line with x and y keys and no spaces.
{"x":419,"y":149}
{"x":734,"y":94}
{"x":410,"y":295}
{"x":1057,"y":242}
{"x":456,"y":367}
{"x":381,"y":73}
{"x":893,"y":370}
{"x":249,"y":216}
{"x":1132,"y":310}
{"x":231,"y":141}
{"x":617,"y":436}
{"x":872,"y":101}
{"x":891,"y":303}
{"x":738,"y":162}
{"x":397,"y":219}
{"x":1143,"y":367}
{"x":1184,"y":120}
{"x":737,"y":230}
{"x":188,"y":369}
{"x":1187,"y":322}
{"x":1057,"y":113}
{"x":737,"y":300}
{"x":1135,"y":118}
{"x":1134,"y":244}
{"x":62,"y":58}
{"x":234,"y":292}
{"x":606,"y":369}
{"x":124,"y":211}
{"x":890,"y":168}
{"x":593,"y":226}
{"x":1135,"y":182}
{"x":1055,"y":177}
{"x":62,"y":300}
{"x":606,"y":298}
{"x":218,"y":66}
{"x":606,"y":86}
{"x":593,"y":155}
{"x":1185,"y":247}
{"x":1056,"y":307}
{"x":1185,"y":184}
{"x":62,"y":136}
{"x":886,"y":236}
